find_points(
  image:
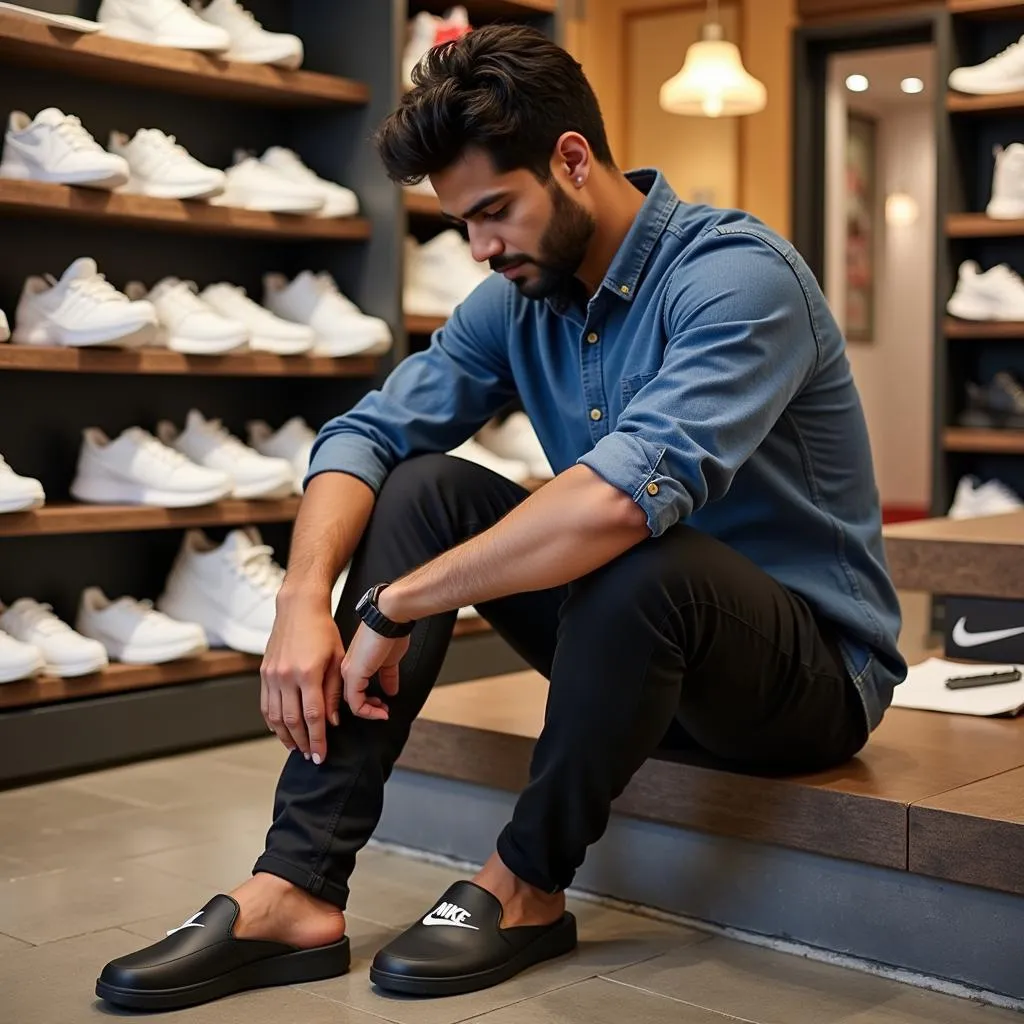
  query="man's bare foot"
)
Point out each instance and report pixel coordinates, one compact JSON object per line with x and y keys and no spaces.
{"x":522,"y":904}
{"x":278,"y":911}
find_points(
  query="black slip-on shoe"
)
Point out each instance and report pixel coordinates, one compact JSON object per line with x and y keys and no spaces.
{"x":202,"y":960}
{"x":460,"y":947}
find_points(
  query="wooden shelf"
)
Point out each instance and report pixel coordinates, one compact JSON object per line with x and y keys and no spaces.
{"x":422,"y":206}
{"x":72,"y":517}
{"x":961,"y":103}
{"x":986,"y":8}
{"x":38,"y":198}
{"x":32,"y":43}
{"x":981,"y":330}
{"x":995,"y":442}
{"x":979,"y":225}
{"x":423,"y":324}
{"x":117,"y":678}
{"x":164,"y":361}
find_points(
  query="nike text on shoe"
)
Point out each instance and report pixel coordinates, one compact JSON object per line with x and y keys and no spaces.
{"x":134,"y":632}
{"x":459,"y":946}
{"x":338,"y":200}
{"x":201,"y":960}
{"x":54,"y":147}
{"x":65,"y":652}
{"x":254,"y":186}
{"x":18,"y":493}
{"x":188,"y":324}
{"x":996,"y":294}
{"x":161,"y":23}
{"x":18,"y":660}
{"x":341,"y":328}
{"x":136,"y":469}
{"x":230,"y":590}
{"x":158,"y":166}
{"x":294,"y":442}
{"x":999,"y":74}
{"x":251,"y":43}
{"x":80,"y":309}
{"x":208,"y":443}
{"x":267,"y":333}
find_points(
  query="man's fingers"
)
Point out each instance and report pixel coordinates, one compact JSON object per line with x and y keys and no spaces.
{"x":332,"y":691}
{"x":275,"y":718}
{"x":291,"y":709}
{"x":388,"y":676}
{"x":376,"y":712}
{"x":313,"y":716}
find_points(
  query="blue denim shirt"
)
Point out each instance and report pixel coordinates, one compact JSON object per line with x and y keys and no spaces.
{"x":706,"y":378}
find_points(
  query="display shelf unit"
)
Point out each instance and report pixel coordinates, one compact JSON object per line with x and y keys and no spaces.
{"x":984,"y":330}
{"x":978,"y":225}
{"x":421,"y":325}
{"x":1003,"y":103}
{"x":423,"y":206}
{"x":976,"y":440}
{"x":988,"y":9}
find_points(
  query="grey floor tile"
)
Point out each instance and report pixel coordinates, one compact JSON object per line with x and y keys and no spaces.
{"x":913,"y":1006}
{"x":45,"y":810}
{"x":258,"y":755}
{"x":220,"y":865}
{"x":602,"y":1002}
{"x":58,"y":904}
{"x":9,"y":944}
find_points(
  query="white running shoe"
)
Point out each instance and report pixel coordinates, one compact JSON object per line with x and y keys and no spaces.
{"x":18,"y":660}
{"x":1007,"y":202}
{"x":313,"y":299}
{"x":517,"y":440}
{"x":439,"y":274}
{"x":229,"y":590}
{"x":134,"y":632}
{"x":80,"y":309}
{"x":999,"y":74}
{"x":996,"y":294}
{"x":267,"y":333}
{"x":136,"y":469}
{"x":161,"y":23}
{"x":5,"y":330}
{"x":338,"y":200}
{"x":251,"y":43}
{"x":54,"y":147}
{"x":187,"y":323}
{"x":426,"y":31}
{"x":991,"y":498}
{"x":65,"y":653}
{"x":472,"y":451}
{"x":208,"y":443}
{"x":294,"y":442}
{"x":158,"y":166}
{"x":18,"y":493}
{"x":254,"y":186}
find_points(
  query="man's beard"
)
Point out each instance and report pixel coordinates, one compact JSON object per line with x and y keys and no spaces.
{"x":562,"y":248}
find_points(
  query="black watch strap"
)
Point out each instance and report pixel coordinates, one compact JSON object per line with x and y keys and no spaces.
{"x":370,"y":613}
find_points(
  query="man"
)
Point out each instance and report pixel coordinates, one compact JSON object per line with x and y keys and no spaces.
{"x":706,"y":568}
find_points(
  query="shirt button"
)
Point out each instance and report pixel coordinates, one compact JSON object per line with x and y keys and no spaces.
{"x":624,"y":288}
{"x":591,"y":338}
{"x":595,"y":414}
{"x":652,"y":489}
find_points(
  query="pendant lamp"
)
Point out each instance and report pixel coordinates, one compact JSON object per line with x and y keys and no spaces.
{"x":713,"y":81}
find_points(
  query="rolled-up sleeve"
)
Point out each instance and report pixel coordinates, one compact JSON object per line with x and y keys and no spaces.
{"x":433,"y":400}
{"x":741,"y":345}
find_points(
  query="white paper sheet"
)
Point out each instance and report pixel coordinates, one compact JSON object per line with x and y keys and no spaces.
{"x":925,"y":689}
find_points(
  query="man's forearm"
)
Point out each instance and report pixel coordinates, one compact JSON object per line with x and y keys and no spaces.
{"x":332,"y":517}
{"x":570,"y":527}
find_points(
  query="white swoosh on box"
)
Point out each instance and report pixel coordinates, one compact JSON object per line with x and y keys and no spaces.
{"x":962,"y":638}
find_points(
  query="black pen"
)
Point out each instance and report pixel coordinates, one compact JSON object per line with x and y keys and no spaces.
{"x":984,"y":679}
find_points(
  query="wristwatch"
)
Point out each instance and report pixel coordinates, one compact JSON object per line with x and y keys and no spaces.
{"x":370,"y":613}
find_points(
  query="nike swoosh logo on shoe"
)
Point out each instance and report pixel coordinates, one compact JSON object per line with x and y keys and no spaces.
{"x":962,"y":638}
{"x":430,"y":919}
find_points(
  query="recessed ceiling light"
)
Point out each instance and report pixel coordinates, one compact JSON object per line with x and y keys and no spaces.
{"x":912,"y":86}
{"x":857,"y":83}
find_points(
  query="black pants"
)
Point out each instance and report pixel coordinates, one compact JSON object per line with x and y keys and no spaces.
{"x":679,"y":641}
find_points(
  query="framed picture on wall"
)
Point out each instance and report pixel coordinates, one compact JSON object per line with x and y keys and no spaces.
{"x":861,"y":132}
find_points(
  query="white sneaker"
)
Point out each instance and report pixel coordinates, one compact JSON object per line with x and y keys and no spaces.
{"x":439,"y":274}
{"x":338,"y":200}
{"x":1007,"y":202}
{"x":294,"y":442}
{"x":65,"y":653}
{"x":68,"y":21}
{"x":517,"y":440}
{"x":136,"y":469}
{"x":134,"y":632}
{"x":991,"y":498}
{"x":996,"y":294}
{"x":161,"y":23}
{"x":188,"y":324}
{"x":313,"y":299}
{"x":253,"y":186}
{"x":18,"y":493}
{"x":1002,"y":73}
{"x":208,"y":443}
{"x":251,"y":43}
{"x":473,"y":451}
{"x":229,"y":590}
{"x":161,"y":168}
{"x":54,"y":147}
{"x":80,"y":309}
{"x":426,"y":31}
{"x":18,"y":660}
{"x":5,"y":330}
{"x":469,"y":612}
{"x":267,"y":333}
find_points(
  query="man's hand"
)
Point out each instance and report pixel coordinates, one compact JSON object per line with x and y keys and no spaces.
{"x":369,"y":654}
{"x":300,"y":675}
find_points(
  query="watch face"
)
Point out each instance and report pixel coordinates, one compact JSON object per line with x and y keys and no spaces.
{"x":364,"y":600}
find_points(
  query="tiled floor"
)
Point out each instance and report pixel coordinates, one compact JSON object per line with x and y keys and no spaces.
{"x":92,"y":867}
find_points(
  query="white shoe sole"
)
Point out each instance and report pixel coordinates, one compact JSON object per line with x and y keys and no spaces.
{"x":203,"y":347}
{"x":124,"y":492}
{"x":152,"y":654}
{"x":156,"y":190}
{"x":997,"y":88}
{"x":268,"y":204}
{"x":963,"y":308}
{"x":12,"y":673}
{"x":22,"y":504}
{"x":49,"y":333}
{"x":269,"y":488}
{"x":101,"y":179}
{"x":280,"y":346}
{"x":71,"y":669}
{"x":281,"y":55}
{"x":221,"y":630}
{"x":1005,"y":209}
{"x":338,"y":348}
{"x":132,"y":32}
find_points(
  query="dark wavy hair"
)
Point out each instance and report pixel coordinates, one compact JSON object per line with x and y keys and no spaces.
{"x":507,"y":90}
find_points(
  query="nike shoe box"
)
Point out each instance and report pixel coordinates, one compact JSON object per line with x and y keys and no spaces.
{"x":985,"y":629}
